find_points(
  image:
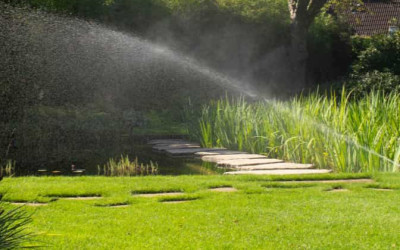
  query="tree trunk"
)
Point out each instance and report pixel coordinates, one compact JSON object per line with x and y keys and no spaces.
{"x":299,"y":55}
{"x":302,"y":14}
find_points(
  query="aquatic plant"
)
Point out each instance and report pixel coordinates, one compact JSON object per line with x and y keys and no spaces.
{"x":8,"y":169}
{"x":125,"y":167}
{"x":327,"y":130}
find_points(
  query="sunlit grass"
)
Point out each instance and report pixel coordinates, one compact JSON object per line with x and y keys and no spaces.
{"x":327,"y":130}
{"x":262,"y":214}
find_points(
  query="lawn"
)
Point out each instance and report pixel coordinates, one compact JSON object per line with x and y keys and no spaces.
{"x":264,"y":212}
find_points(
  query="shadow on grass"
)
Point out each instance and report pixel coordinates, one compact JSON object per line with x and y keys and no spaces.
{"x":288,"y":185}
{"x":179,"y":199}
{"x":383,"y":187}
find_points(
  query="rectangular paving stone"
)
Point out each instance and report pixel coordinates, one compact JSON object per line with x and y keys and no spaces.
{"x":333,"y":181}
{"x":175,"y":146}
{"x":188,"y":151}
{"x":283,"y":165}
{"x":167,"y":141}
{"x":280,"y":172}
{"x":224,"y":157}
{"x":247,"y":162}
{"x":219,"y":152}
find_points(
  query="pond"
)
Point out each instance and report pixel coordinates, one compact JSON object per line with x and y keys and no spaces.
{"x":134,"y":147}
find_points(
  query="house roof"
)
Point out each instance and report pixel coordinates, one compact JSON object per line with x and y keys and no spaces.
{"x":375,"y":19}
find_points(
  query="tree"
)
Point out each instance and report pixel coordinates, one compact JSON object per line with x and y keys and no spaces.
{"x":302,"y":15}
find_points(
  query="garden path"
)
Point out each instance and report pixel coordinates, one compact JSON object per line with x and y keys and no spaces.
{"x":235,"y":162}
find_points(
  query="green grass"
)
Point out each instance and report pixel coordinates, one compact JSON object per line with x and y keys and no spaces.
{"x":327,"y":130}
{"x":263,"y":213}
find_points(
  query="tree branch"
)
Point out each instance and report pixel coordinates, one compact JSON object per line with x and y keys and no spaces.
{"x":292,"y":8}
{"x":315,"y":8}
{"x":302,"y":7}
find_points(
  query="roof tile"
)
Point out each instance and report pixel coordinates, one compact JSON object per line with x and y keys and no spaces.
{"x":375,"y":19}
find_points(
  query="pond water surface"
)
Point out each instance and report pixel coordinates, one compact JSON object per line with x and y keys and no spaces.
{"x":167,"y":165}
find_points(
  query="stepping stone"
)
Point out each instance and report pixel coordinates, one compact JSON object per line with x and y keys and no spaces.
{"x":187,"y":151}
{"x":167,"y":141}
{"x":247,"y":162}
{"x":30,"y":204}
{"x":176,"y":202}
{"x":224,"y":189}
{"x":79,"y":171}
{"x":333,"y":181}
{"x":280,"y":172}
{"x":219,"y":152}
{"x":338,"y":190}
{"x":81,"y":198}
{"x":175,"y":146}
{"x":382,"y":189}
{"x":218,"y":158}
{"x":158,"y":194}
{"x":276,"y":166}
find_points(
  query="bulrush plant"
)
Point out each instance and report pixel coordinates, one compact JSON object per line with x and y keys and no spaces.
{"x":8,"y":169}
{"x":125,"y":167}
{"x":327,"y":130}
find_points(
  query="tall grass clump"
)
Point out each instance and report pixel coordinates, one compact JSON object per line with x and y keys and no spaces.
{"x":13,"y":226}
{"x":328,"y":130}
{"x":8,"y":169}
{"x":125,"y":167}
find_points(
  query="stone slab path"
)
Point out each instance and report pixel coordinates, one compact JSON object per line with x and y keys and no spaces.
{"x":273,"y":166}
{"x":281,"y":172}
{"x":219,"y":153}
{"x":218,"y":158}
{"x":175,"y":146}
{"x":235,"y":163}
{"x":238,"y":163}
{"x":188,"y":151}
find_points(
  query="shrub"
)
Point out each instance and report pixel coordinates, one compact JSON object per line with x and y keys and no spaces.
{"x":381,"y":53}
{"x":377,"y":64}
{"x":374,"y":80}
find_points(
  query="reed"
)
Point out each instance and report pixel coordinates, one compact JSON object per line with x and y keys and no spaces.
{"x":125,"y":167}
{"x":8,"y":169}
{"x":327,"y":130}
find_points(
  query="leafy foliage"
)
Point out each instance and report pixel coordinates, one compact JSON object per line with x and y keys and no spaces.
{"x":364,"y":83}
{"x":377,"y":65}
{"x":381,"y":53}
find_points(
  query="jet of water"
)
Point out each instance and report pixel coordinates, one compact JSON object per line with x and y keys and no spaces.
{"x":226,"y":81}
